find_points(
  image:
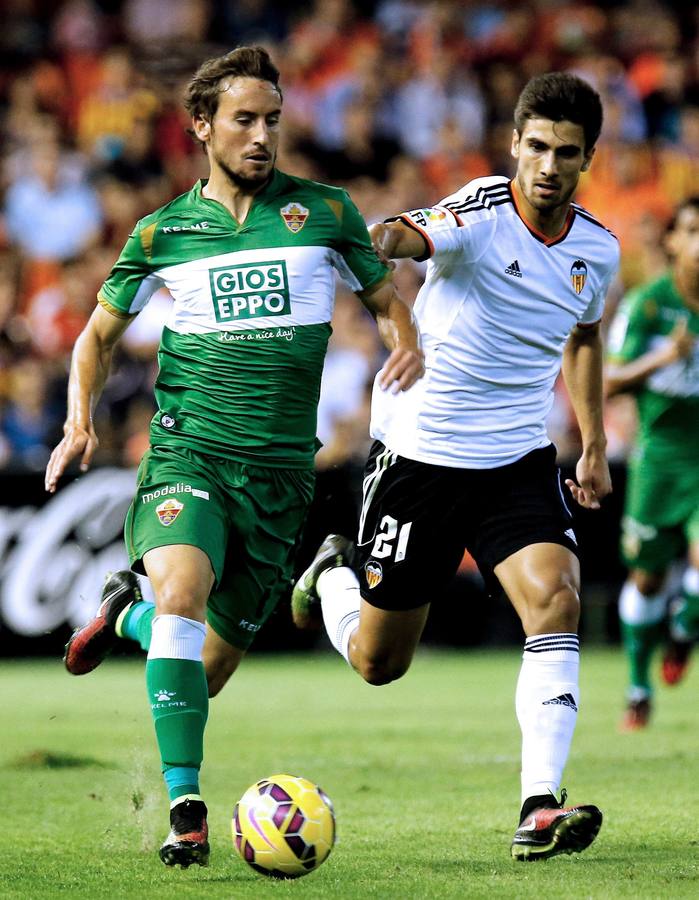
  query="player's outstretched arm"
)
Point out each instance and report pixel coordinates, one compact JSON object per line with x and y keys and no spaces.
{"x":89,"y":368}
{"x":620,"y":377}
{"x":399,"y":333}
{"x":395,"y":240}
{"x":582,"y":371}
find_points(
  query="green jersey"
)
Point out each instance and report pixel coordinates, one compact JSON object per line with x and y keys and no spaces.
{"x":241,"y":356}
{"x":668,"y":400}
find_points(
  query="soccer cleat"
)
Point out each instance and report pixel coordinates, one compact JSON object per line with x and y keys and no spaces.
{"x":335,"y":551}
{"x":675,"y":661}
{"x":636,"y":716}
{"x":90,"y":644}
{"x":546,"y":832}
{"x":188,"y":841}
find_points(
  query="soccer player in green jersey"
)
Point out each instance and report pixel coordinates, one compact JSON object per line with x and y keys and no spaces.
{"x":654,"y":353}
{"x":249,"y":256}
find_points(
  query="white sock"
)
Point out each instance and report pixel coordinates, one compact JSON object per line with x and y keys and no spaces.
{"x":176,"y":637}
{"x":547,"y":702}
{"x":636,"y":608}
{"x":340,"y":599}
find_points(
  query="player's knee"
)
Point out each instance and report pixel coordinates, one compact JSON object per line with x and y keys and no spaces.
{"x":555,"y":609}
{"x":176,"y":600}
{"x":382,"y":669}
{"x":648,"y":583}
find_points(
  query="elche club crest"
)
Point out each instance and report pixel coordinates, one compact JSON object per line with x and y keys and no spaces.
{"x":168,"y":511}
{"x":294,"y":216}
{"x":373,"y":572}
{"x":578,"y":275}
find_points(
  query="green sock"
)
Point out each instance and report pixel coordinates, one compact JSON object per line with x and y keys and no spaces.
{"x":136,"y":623}
{"x":179,"y":699}
{"x":684,"y":619}
{"x":642,"y":617}
{"x":639,"y":643}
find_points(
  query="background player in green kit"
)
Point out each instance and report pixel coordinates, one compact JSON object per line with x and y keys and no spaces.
{"x":249,"y":256}
{"x":655,"y":354}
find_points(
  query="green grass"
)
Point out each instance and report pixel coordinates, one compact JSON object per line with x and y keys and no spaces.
{"x":424,"y":775}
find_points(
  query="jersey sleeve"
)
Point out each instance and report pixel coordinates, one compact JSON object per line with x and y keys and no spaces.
{"x":630,"y":328}
{"x":444,"y":232}
{"x":131,"y":282}
{"x":356,"y":259}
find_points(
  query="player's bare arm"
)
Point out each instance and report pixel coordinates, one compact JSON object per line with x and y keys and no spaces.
{"x":88,"y":372}
{"x":396,"y":240}
{"x":621,"y":377}
{"x":399,"y":333}
{"x":582,"y":371}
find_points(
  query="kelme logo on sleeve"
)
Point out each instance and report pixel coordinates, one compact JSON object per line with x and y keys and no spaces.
{"x":250,"y":290}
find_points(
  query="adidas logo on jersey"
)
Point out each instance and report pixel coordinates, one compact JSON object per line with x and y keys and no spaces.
{"x":562,"y":700}
{"x":514,"y":269}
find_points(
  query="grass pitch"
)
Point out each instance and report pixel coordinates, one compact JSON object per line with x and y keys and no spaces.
{"x":424,"y":774}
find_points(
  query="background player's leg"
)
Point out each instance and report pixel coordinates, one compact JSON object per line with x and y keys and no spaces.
{"x":642,"y":608}
{"x":684,"y":617}
{"x":379,"y":644}
{"x":542,"y":582}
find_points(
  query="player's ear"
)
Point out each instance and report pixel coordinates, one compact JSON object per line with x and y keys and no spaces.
{"x":514,"y":148}
{"x":201,"y":128}
{"x":588,"y":160}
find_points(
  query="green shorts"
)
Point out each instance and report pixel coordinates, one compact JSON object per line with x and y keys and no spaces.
{"x":661,"y":515}
{"x":247,"y":519}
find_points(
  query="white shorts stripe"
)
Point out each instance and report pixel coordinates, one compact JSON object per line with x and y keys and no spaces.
{"x":371,"y":483}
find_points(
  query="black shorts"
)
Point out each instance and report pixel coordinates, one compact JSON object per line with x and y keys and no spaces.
{"x":417,"y":519}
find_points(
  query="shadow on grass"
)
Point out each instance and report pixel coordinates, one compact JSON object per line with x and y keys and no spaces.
{"x":47,"y":759}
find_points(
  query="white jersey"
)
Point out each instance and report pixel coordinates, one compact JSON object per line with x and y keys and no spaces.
{"x":496,"y":309}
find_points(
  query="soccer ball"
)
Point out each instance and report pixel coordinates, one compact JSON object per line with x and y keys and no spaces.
{"x":284,"y":826}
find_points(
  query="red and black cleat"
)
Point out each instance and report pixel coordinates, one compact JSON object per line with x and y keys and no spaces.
{"x":675,"y":661}
{"x":636,"y":715}
{"x":547,"y":832}
{"x":188,"y":841}
{"x":90,"y":644}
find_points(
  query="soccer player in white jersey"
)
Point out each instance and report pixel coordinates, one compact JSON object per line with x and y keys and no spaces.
{"x":249,"y":256}
{"x":515,"y":287}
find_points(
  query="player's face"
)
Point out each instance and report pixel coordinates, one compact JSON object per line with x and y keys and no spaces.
{"x":683,"y":242}
{"x":243,"y":136}
{"x":550,"y":157}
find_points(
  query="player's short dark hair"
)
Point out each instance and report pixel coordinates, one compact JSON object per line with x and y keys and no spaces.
{"x":560,"y":96}
{"x":208,"y":82}
{"x":687,"y":203}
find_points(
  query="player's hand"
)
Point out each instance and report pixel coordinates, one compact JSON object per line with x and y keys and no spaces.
{"x":594,"y":480}
{"x":681,"y":341}
{"x":402,"y":369}
{"x":384,"y":239}
{"x":77,"y":441}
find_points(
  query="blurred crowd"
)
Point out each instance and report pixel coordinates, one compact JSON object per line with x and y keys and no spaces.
{"x":401,"y":101}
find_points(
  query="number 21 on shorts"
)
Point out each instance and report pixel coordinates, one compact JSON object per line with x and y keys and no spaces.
{"x":384,"y":541}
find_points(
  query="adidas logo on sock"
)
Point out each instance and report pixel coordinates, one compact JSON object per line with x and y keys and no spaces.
{"x":514,"y":269}
{"x":562,"y":700}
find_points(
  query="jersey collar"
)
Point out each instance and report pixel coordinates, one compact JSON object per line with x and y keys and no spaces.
{"x":539,"y":235}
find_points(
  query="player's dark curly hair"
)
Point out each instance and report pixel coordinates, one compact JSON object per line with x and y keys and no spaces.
{"x":210,"y":79}
{"x":558,"y":96}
